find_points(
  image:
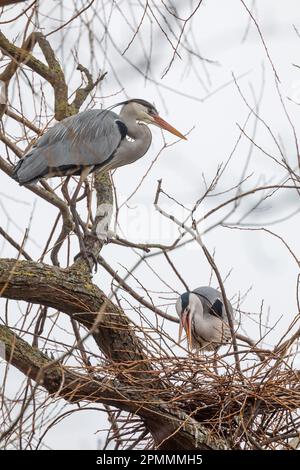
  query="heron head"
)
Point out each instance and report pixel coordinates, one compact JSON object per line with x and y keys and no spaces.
{"x":187,"y":306}
{"x":147,"y":113}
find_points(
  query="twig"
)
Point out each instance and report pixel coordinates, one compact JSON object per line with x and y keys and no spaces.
{"x":137,"y":297}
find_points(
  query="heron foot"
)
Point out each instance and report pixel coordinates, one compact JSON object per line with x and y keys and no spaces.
{"x":106,"y":236}
{"x":90,"y":258}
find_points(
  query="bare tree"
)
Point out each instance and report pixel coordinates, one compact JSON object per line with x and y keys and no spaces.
{"x":115,"y":352}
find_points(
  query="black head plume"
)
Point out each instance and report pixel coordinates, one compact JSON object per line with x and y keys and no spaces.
{"x":150,"y":108}
{"x":185,"y":300}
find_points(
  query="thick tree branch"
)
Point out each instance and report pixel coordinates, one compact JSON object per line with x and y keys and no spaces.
{"x":83,"y":92}
{"x":4,"y":3}
{"x":69,"y":291}
{"x":52,"y":73}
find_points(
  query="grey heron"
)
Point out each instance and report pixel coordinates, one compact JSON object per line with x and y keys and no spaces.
{"x":91,"y":140}
{"x":202,"y":314}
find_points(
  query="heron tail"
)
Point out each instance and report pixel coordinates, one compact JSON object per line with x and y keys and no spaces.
{"x":29,"y":169}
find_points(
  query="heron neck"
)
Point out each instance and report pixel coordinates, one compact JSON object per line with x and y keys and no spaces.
{"x":130,"y":151}
{"x":140,"y":133}
{"x":135,"y":130}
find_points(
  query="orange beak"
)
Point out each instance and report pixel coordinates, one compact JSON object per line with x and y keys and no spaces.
{"x":189,"y":331}
{"x":186,"y":323}
{"x":181,"y":326}
{"x":165,"y":125}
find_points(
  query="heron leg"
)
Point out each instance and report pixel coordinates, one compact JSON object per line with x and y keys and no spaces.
{"x":88,"y":203}
{"x":87,"y":194}
{"x":76,"y":218}
{"x":74,"y":199}
{"x":64,"y":189}
{"x":65,"y":192}
{"x":88,"y":256}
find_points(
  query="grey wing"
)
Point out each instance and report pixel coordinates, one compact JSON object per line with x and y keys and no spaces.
{"x":88,"y":139}
{"x":213,"y":304}
{"x":212,"y":298}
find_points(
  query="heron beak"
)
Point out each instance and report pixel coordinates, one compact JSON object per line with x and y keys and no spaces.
{"x":186,"y":323}
{"x":181,"y":327}
{"x":165,"y":125}
{"x":189,"y":330}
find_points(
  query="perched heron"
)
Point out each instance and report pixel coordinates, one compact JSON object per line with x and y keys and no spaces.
{"x":93,"y":139}
{"x":202,"y":314}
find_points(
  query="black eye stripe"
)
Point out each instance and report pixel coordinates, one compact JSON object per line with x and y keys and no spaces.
{"x":185,"y":299}
{"x":150,"y":108}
